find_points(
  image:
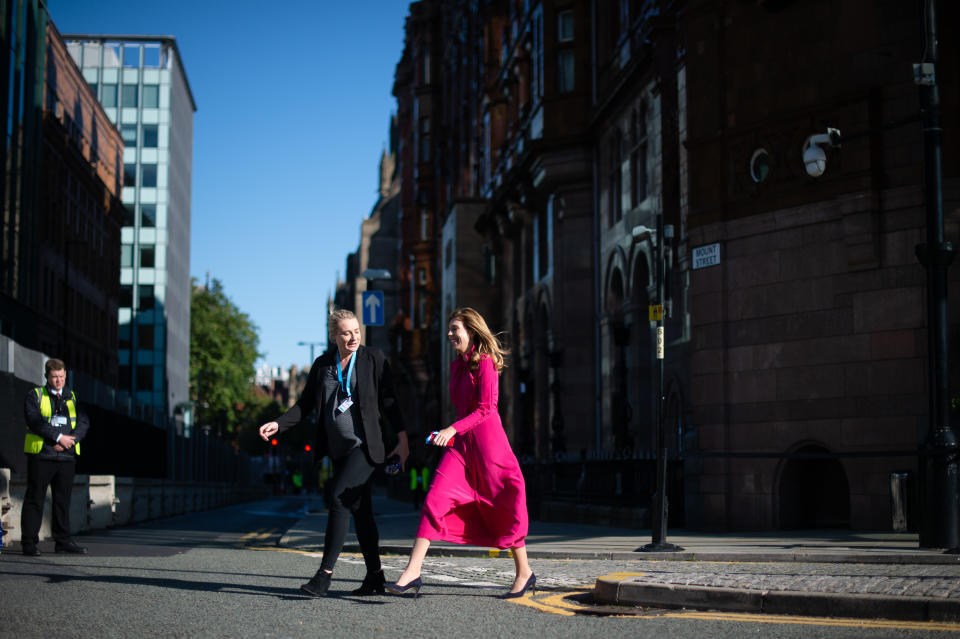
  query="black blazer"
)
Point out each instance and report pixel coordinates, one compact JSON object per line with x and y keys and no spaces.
{"x":373,"y":396}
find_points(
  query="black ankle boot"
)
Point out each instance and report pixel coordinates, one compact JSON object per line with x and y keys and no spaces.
{"x":318,"y":585}
{"x":373,"y":584}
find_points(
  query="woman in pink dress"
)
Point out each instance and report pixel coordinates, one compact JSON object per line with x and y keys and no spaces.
{"x":478,"y":496}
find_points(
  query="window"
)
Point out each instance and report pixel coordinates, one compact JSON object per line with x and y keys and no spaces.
{"x":129,"y":133}
{"x":489,"y":265}
{"x":129,"y":176}
{"x":422,"y":275}
{"x":126,"y":255}
{"x":565,"y":71}
{"x":145,"y":378}
{"x":147,"y":257}
{"x":638,"y":157}
{"x":123,"y":372}
{"x":128,"y":95}
{"x":614,"y":190}
{"x":108,"y":95}
{"x":565,"y":26}
{"x":425,"y":61}
{"x":536,"y":76}
{"x":424,"y":224}
{"x":425,"y":139}
{"x":150,"y":136}
{"x":151,"y":96}
{"x":123,"y":335}
{"x":146,"y":299}
{"x":148,"y":215}
{"x":129,"y":216}
{"x":131,"y":55}
{"x":145,"y":337}
{"x":126,"y":296}
{"x":148,"y":175}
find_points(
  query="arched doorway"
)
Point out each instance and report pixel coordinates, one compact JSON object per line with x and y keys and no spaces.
{"x":641,"y":356}
{"x":618,"y":338}
{"x":813,"y":492}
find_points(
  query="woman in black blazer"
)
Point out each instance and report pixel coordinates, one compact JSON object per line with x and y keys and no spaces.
{"x":352,"y":390}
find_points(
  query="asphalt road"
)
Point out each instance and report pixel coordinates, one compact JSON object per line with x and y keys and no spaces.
{"x":221,"y":574}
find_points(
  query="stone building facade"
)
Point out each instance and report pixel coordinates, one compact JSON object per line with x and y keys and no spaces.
{"x":546,"y":149}
{"x":808,"y":356}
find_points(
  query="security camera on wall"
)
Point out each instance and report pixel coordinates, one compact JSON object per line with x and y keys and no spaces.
{"x":814,"y":156}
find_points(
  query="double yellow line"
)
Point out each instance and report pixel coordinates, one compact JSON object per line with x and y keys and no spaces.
{"x":563,"y":603}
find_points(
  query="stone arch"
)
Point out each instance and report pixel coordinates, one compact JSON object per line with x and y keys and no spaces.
{"x":640,"y":355}
{"x":812,"y":492}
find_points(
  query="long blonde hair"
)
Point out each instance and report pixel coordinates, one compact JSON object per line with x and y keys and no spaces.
{"x":486,"y":343}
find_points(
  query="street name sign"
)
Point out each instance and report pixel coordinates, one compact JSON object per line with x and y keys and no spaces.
{"x":707,"y":255}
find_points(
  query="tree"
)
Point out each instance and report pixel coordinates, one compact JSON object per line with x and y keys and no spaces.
{"x":223,"y":350}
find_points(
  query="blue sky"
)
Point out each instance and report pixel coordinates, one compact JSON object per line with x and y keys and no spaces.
{"x":293,"y":109}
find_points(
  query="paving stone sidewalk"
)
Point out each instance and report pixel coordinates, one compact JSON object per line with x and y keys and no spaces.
{"x":892,"y":591}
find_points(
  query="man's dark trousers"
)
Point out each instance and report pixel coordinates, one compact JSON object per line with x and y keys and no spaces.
{"x":40,"y":474}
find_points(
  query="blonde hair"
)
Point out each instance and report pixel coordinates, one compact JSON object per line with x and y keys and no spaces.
{"x":334,"y":319}
{"x":485,"y":341}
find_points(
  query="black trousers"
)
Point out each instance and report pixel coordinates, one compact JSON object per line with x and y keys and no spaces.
{"x":351,"y":494}
{"x":58,"y":475}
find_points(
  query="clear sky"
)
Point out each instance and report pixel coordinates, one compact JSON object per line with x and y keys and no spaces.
{"x":293,"y":108}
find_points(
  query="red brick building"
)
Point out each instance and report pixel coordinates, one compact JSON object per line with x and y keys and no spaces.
{"x":61,"y":240}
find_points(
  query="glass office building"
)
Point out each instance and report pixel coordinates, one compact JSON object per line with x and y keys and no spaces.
{"x":141,"y":83}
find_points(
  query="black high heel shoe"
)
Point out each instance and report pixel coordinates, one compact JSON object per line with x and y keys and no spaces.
{"x":318,"y":584}
{"x":531,"y":583}
{"x":373,"y":584}
{"x":402,"y":590}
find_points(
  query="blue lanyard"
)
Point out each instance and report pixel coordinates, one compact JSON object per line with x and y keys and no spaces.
{"x":346,"y":388}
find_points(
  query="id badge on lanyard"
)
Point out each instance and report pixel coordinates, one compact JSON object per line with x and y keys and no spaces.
{"x":348,"y":402}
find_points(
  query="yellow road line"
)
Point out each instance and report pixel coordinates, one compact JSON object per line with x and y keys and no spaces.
{"x":816,"y":621}
{"x":560,"y":604}
{"x":528,"y":601}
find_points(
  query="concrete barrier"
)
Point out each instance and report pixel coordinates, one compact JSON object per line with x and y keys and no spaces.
{"x":123,"y":494}
{"x":102,"y":501}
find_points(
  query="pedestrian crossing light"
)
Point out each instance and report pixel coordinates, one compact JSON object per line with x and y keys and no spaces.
{"x":273,"y":442}
{"x":307,"y":448}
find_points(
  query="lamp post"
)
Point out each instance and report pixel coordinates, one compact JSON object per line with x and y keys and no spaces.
{"x":659,"y":237}
{"x":940,"y":467}
{"x":311,"y":345}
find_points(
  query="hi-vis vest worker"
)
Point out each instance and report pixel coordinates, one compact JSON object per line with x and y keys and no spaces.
{"x":33,"y":444}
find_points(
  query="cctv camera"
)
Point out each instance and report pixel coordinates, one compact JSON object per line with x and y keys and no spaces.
{"x":814,"y":157}
{"x":814,"y":160}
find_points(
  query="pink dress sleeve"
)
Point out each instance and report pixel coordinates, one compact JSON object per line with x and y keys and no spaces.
{"x":487,"y":383}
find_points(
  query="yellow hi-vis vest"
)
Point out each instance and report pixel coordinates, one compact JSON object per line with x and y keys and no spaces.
{"x":33,"y":444}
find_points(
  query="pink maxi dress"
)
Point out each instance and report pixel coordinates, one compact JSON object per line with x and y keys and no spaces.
{"x":478,"y":496}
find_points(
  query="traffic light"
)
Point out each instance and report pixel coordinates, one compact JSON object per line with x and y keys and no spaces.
{"x":307,"y":448}
{"x":273,"y":442}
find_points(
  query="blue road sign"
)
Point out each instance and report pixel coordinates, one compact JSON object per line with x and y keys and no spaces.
{"x":372,"y":302}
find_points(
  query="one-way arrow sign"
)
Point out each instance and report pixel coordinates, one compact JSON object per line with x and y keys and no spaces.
{"x":372,"y":308}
